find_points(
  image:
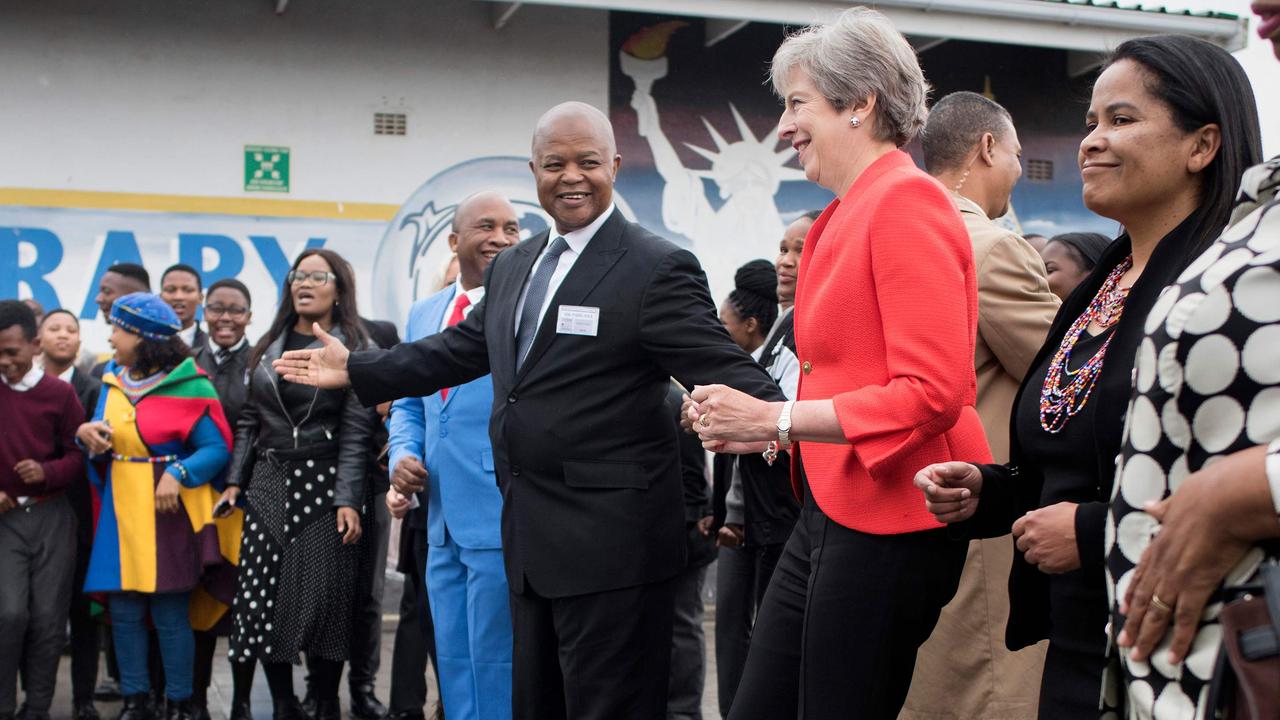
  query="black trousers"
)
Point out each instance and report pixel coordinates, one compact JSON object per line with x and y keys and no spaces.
{"x":603,"y":656}
{"x":366,"y":628}
{"x":742,"y":576}
{"x":415,"y":642}
{"x":85,"y":633}
{"x":844,"y":615}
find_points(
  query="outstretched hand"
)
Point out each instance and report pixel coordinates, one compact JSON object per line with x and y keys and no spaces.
{"x":323,"y":367}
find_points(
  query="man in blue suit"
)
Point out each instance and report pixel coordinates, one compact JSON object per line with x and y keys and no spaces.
{"x":440,"y":443}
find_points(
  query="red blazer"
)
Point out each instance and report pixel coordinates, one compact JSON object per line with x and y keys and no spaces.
{"x":885,"y":321}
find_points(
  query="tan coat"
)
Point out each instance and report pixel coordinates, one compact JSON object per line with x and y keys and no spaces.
{"x":964,"y":671}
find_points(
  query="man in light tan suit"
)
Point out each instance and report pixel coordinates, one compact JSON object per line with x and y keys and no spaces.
{"x":964,"y":671}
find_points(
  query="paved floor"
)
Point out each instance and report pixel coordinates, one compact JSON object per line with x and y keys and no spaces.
{"x":220,"y":692}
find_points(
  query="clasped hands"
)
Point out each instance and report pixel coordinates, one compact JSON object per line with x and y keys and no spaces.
{"x":1046,"y":536}
{"x":729,"y":421}
{"x":407,"y":478}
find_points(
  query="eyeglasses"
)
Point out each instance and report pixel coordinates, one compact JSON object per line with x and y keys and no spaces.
{"x":234,"y":311}
{"x":319,"y":277}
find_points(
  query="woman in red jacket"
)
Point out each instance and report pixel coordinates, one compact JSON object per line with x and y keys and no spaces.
{"x":885,"y":322}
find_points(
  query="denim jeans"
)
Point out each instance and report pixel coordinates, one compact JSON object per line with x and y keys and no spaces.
{"x":173,"y":629}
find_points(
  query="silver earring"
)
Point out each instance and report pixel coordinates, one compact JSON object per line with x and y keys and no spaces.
{"x":854,"y":121}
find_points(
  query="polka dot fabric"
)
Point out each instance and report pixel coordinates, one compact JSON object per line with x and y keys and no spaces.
{"x":1206,"y":384}
{"x":293,"y":566}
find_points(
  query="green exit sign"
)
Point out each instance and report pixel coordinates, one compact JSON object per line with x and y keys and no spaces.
{"x":266,"y":168}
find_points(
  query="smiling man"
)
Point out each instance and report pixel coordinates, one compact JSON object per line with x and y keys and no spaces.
{"x":581,"y":328}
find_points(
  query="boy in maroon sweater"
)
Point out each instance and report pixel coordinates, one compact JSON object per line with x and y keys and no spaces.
{"x":39,"y":458}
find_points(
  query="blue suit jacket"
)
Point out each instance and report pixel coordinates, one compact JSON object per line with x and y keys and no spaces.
{"x":451,"y":438}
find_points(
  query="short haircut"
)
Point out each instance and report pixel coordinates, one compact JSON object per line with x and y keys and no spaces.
{"x":859,"y":55}
{"x":183,"y":267}
{"x":16,"y":312}
{"x":59,"y":311}
{"x":813,"y":214}
{"x":134,"y":272}
{"x":234,"y":284}
{"x":955,"y":124}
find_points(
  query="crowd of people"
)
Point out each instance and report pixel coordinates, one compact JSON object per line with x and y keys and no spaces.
{"x":956,"y":472}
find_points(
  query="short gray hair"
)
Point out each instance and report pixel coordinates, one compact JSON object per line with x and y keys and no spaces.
{"x":956,"y":123}
{"x":859,"y":55}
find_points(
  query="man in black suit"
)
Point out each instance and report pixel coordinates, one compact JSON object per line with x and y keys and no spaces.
{"x":581,"y":330}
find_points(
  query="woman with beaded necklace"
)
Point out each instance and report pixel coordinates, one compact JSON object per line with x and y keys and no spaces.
{"x":1168,"y":138}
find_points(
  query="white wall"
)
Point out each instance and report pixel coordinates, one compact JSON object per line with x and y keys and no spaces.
{"x":159,"y":96}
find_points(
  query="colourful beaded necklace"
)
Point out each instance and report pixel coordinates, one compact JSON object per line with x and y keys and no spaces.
{"x":1059,"y":402}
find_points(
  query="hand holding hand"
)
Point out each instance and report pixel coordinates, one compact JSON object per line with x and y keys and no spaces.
{"x":324,"y":367}
{"x":951,"y":490}
{"x":167,"y":494}
{"x":1047,"y":538}
{"x":718,"y":412}
{"x":96,"y":436}
{"x":397,"y":504}
{"x":30,"y":471}
{"x":704,"y":525}
{"x":409,"y":476}
{"x":730,"y":536}
{"x":348,"y":525}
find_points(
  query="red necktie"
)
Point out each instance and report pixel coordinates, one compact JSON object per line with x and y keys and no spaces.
{"x":455,"y":317}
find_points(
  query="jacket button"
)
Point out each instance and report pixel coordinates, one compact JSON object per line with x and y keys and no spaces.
{"x":444,"y":418}
{"x":515,"y":471}
{"x":807,"y":367}
{"x":444,"y":433}
{"x":511,"y":399}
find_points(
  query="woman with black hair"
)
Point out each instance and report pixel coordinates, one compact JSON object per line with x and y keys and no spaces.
{"x":160,"y":445}
{"x":301,"y":456}
{"x":1170,"y":130}
{"x":754,"y":508}
{"x":1070,"y":257}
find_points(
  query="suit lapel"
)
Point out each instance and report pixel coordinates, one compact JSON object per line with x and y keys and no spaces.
{"x":600,"y":255}
{"x":439,"y":317}
{"x":503,"y":314}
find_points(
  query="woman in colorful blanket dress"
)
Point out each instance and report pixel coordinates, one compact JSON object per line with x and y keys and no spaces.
{"x":162,"y":444}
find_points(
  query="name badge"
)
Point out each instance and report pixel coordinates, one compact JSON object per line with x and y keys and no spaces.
{"x":578,"y":320}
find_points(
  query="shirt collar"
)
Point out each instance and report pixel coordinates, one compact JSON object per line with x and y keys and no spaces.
{"x":28,"y":381}
{"x":189,"y":335}
{"x":578,"y":239}
{"x":475,"y":294}
{"x":755,"y":354}
{"x":964,"y":204}
{"x":215,"y":347}
{"x":66,"y":374}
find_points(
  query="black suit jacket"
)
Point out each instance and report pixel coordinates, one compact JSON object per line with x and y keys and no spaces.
{"x":87,"y":390}
{"x":582,"y":437}
{"x":228,"y":378}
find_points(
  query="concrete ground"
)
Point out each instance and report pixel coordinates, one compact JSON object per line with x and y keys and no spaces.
{"x":220,"y":692}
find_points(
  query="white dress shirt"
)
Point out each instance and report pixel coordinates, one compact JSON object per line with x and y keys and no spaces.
{"x":475,"y":295}
{"x":65,"y":376}
{"x":28,"y":381}
{"x":189,"y":335}
{"x":577,"y":241}
{"x":215,"y":348}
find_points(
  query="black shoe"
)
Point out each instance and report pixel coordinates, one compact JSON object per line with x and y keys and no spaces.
{"x":327,"y":709}
{"x":136,"y":707}
{"x":85,"y":711}
{"x":365,"y":705}
{"x":242,"y":711}
{"x":199,"y":710}
{"x":108,"y":689}
{"x":180,"y":710}
{"x":289,"y":709}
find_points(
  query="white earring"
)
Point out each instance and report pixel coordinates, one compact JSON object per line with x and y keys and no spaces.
{"x":854,"y":121}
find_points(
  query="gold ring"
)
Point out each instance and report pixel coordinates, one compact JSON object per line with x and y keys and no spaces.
{"x":1157,"y":602}
{"x":703,"y":420}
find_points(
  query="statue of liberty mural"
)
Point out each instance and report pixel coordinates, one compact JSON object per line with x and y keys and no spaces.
{"x":748,"y":172}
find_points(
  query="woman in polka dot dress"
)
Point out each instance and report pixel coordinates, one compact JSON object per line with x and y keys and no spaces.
{"x":300,"y":460}
{"x":1201,"y":460}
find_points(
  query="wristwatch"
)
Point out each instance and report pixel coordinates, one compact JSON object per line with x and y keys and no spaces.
{"x":784,"y":424}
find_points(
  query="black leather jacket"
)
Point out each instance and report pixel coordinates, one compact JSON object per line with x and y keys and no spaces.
{"x":332,"y":417}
